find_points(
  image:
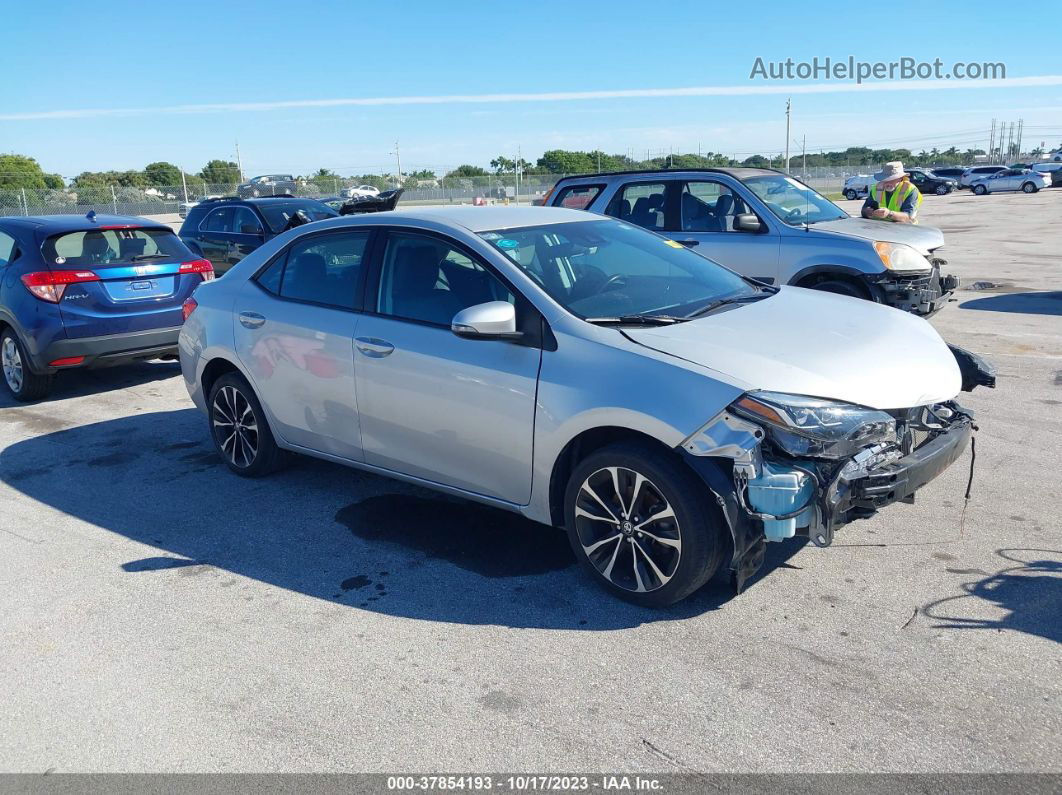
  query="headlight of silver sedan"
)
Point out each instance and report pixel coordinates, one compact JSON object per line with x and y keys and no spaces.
{"x":810,"y":427}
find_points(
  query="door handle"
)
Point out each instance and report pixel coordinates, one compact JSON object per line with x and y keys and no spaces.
{"x":689,"y":243}
{"x":374,"y":347}
{"x":251,"y":320}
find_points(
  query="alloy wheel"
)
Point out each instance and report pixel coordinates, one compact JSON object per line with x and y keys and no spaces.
{"x":11,"y":360}
{"x":235,"y":427}
{"x":627,"y":529}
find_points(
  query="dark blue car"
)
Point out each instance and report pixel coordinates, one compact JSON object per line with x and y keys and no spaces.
{"x":226,"y":230}
{"x":88,"y":291}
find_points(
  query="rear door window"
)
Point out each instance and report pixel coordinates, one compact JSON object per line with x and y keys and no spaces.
{"x":219,"y":220}
{"x":640,"y":203}
{"x":325,"y":269}
{"x":7,"y":248}
{"x":577,"y":197}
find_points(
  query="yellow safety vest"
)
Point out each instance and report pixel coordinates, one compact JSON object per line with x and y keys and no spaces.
{"x":899,"y":196}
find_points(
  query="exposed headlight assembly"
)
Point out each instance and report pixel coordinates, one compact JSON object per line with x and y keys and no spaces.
{"x":900,"y":257}
{"x":809,"y":427}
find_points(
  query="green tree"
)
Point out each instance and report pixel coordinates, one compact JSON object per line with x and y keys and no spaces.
{"x":162,"y":173}
{"x":561,"y":161}
{"x":220,"y":172}
{"x":20,"y":171}
{"x":466,"y":171}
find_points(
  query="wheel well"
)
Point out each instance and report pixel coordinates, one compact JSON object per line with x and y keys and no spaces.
{"x":579,"y":448}
{"x":813,"y":279}
{"x":213,"y":371}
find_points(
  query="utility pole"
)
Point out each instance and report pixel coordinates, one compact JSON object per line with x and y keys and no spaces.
{"x":992,"y":141}
{"x":788,"y":107}
{"x":516,"y":168}
{"x":1021,"y":123}
{"x":804,"y":155}
{"x":239,"y":162}
{"x":398,"y":159}
{"x":184,"y":186}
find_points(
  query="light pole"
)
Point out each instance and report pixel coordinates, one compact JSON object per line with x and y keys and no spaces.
{"x":398,"y":160}
{"x":788,"y":106}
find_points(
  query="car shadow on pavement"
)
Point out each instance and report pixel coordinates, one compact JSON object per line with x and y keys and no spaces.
{"x":79,"y":383}
{"x":1039,"y":303}
{"x":323,"y":530}
{"x":1026,"y":597}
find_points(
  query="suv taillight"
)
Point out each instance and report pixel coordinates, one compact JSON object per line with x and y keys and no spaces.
{"x":188,"y":307}
{"x":202,"y":266}
{"x":50,"y":285}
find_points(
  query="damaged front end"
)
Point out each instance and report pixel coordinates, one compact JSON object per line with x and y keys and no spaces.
{"x":784,"y":465}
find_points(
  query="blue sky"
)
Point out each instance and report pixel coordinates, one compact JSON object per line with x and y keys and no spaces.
{"x":92,"y":86}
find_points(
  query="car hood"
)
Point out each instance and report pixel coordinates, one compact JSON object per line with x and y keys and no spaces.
{"x":923,"y":238}
{"x":807,"y":342}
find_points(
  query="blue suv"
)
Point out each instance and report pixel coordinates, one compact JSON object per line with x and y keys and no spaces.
{"x":88,"y":291}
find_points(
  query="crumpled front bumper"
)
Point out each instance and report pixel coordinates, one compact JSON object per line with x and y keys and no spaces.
{"x":920,"y":293}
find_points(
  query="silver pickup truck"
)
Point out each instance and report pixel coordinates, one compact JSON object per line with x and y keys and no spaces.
{"x":768,"y":226}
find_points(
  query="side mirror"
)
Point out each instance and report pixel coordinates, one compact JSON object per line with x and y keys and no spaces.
{"x":494,"y":320}
{"x":747,"y":222}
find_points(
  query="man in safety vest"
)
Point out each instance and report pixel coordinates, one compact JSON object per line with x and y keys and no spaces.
{"x":893,"y":198}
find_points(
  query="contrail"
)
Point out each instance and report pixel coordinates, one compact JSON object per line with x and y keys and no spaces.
{"x":550,"y":96}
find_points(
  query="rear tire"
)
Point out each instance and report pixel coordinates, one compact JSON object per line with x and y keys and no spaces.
{"x":238,"y":426}
{"x":1029,"y":187}
{"x":23,"y":384}
{"x":660,"y":538}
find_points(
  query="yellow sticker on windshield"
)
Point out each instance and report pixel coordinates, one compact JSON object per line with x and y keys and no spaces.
{"x":673,"y":244}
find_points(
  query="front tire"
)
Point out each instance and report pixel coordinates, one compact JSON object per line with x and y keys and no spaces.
{"x":23,"y":384}
{"x":942,"y":190}
{"x":980,"y":190}
{"x":840,"y":287}
{"x":1029,"y":187}
{"x":641,"y":523}
{"x":851,"y":194}
{"x":239,"y":429}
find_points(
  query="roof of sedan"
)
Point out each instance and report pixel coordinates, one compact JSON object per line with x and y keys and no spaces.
{"x":483,"y":219}
{"x":738,"y":172}
{"x":55,"y":224}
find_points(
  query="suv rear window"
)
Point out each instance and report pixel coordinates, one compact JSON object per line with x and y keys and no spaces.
{"x":108,"y":246}
{"x":577,"y":197}
{"x":278,"y":213}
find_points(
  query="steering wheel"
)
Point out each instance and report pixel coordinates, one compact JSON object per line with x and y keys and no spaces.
{"x":613,"y":281}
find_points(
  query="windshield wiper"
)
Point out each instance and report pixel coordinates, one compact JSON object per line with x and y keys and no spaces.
{"x":142,"y":257}
{"x":635,"y":320}
{"x":741,"y":299}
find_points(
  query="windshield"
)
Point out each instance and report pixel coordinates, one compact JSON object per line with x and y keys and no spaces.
{"x":97,"y":247}
{"x":278,"y":213}
{"x":598,"y":269}
{"x":793,"y":202}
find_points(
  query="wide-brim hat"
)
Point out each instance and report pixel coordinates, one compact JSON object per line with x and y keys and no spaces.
{"x":891,"y":170}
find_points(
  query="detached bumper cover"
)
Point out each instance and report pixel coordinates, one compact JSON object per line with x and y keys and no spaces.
{"x":111,"y":349}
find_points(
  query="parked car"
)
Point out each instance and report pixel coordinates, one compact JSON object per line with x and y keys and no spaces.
{"x":268,"y":185}
{"x":929,"y":182}
{"x":977,"y":172}
{"x":771,"y":227}
{"x":88,"y":291}
{"x":582,"y":372}
{"x":335,"y":202}
{"x":1046,"y":168}
{"x":1025,"y":180}
{"x":1056,"y":179}
{"x":949,"y":173}
{"x":857,"y":186}
{"x":361,"y":190}
{"x":226,"y":230}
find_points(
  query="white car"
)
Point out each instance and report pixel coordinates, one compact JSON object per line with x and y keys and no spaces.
{"x":970,"y":175}
{"x":1022,"y":179}
{"x":857,"y":186}
{"x":361,"y":190}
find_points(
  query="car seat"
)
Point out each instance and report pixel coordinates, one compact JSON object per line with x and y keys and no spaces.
{"x":414,"y":287}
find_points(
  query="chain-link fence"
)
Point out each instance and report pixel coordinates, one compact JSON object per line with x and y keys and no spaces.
{"x":124,"y":200}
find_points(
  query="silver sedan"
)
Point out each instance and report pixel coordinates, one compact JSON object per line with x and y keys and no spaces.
{"x":1022,"y":179}
{"x":669,"y":414}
